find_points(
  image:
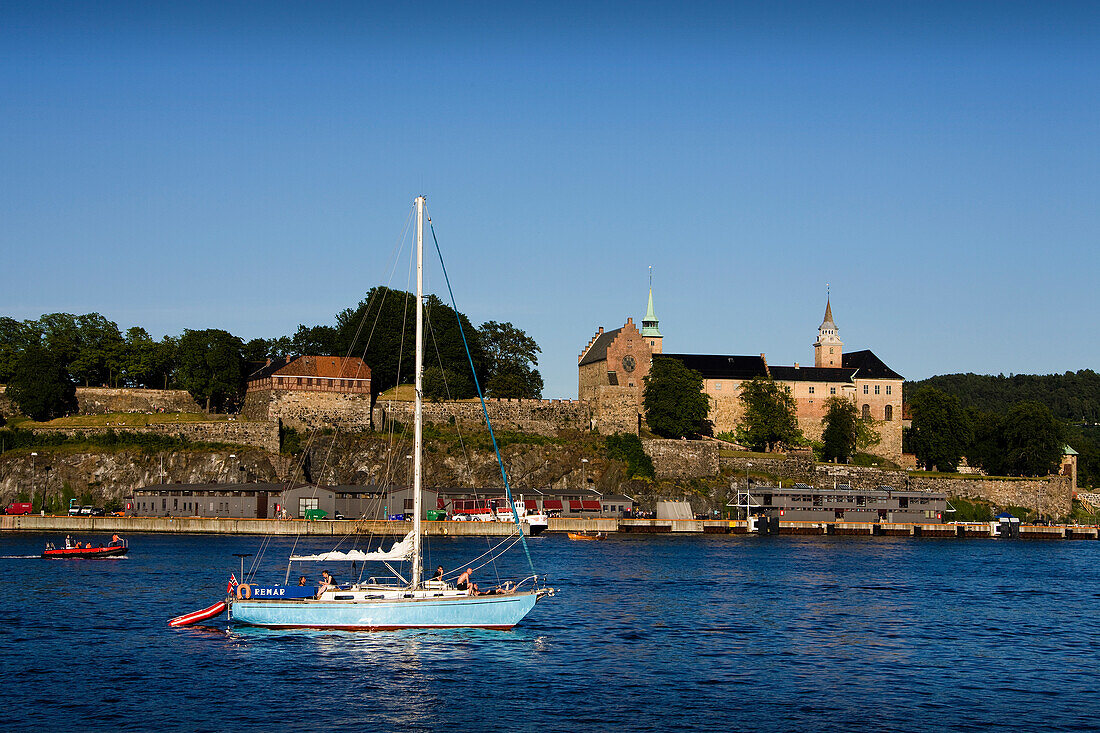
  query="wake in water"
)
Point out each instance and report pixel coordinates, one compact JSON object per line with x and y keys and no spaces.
{"x":20,"y":557}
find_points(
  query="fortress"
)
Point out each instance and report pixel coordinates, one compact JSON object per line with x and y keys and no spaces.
{"x":612,"y":368}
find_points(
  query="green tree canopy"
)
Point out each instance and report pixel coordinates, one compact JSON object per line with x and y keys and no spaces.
{"x":770,"y":415}
{"x":1034,"y":441}
{"x":316,"y":341}
{"x":511,"y":357}
{"x":674,"y":401}
{"x":841,"y":429}
{"x":40,"y":386}
{"x":211,"y":367}
{"x":627,"y":447}
{"x":382,"y":330}
{"x":15,"y":337}
{"x":941,"y":430}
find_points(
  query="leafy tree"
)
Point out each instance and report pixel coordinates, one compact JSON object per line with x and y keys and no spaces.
{"x":99,"y":351}
{"x":941,"y":430}
{"x":627,"y":447}
{"x":211,"y":367}
{"x":61,"y":336}
{"x":40,"y":386}
{"x":770,"y":415}
{"x":841,"y":429}
{"x":442,"y":384}
{"x":1033,"y":440}
{"x":382,"y":330}
{"x":139,"y":358}
{"x":512,"y":356}
{"x":315,"y":341}
{"x":15,"y":337}
{"x":256,"y":351}
{"x":674,"y":401}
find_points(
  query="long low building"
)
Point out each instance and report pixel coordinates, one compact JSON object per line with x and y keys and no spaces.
{"x":302,"y":501}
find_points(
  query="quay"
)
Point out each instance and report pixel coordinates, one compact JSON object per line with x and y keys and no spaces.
{"x":342,"y":527}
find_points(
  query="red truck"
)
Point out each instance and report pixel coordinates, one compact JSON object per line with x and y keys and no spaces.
{"x":18,"y":507}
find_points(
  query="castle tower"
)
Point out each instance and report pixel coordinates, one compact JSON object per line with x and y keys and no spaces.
{"x":828,"y":349}
{"x":650,"y":331}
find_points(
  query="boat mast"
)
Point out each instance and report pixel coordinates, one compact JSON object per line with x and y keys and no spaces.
{"x":419,"y":369}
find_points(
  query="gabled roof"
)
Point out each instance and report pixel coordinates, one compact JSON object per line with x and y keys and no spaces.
{"x":332,"y":367}
{"x":722,"y":366}
{"x":868,"y":366}
{"x":598,"y":350}
{"x":811,"y":374}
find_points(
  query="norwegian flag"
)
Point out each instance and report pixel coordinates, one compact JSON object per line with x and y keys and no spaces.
{"x":232,"y":582}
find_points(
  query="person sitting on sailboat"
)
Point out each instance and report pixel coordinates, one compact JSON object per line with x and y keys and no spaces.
{"x":438,"y":573}
{"x":327,"y":581}
{"x":463,"y":582}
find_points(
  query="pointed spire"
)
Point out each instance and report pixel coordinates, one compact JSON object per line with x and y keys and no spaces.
{"x":649,"y":323}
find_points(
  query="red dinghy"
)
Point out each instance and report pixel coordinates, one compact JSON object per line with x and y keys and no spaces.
{"x":193,"y":618}
{"x":117,"y":546}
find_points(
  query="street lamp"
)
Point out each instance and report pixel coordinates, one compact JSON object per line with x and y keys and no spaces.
{"x":584,"y":473}
{"x":46,"y":488}
{"x":233,"y":456}
{"x":33,"y":456}
{"x":748,"y":465}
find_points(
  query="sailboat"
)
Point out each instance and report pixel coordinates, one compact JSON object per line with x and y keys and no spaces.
{"x":394,"y":602}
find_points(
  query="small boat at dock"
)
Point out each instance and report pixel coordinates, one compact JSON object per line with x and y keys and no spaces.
{"x":587,"y":535}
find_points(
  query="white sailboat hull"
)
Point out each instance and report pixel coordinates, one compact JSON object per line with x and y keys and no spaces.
{"x":478,"y":612}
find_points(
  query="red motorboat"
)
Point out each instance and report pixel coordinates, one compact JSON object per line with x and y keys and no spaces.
{"x":117,"y":546}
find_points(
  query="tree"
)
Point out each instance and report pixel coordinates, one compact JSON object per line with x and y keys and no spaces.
{"x":674,"y":401}
{"x":1034,"y":441}
{"x":841,"y":429}
{"x":211,"y":367}
{"x":770,"y":415}
{"x":315,"y":341}
{"x":99,"y":351}
{"x":382,"y":330}
{"x":15,"y":337}
{"x":941,"y":430}
{"x":511,"y":356}
{"x":442,"y":384}
{"x":138,"y":364}
{"x":627,"y":447}
{"x":40,"y":386}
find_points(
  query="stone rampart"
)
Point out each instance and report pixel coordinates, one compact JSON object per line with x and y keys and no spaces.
{"x":305,"y":410}
{"x":682,"y":459}
{"x":615,"y":410}
{"x":542,"y":417}
{"x":1052,"y":495}
{"x":258,"y":434}
{"x":103,"y":400}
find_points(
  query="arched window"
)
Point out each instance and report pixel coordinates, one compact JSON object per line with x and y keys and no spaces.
{"x":889,"y":413}
{"x":866,"y":412}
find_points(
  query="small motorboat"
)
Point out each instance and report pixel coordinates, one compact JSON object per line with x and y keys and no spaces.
{"x":117,"y":546}
{"x":587,"y":535}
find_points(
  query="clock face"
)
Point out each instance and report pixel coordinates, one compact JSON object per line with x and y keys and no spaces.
{"x":628,"y":363}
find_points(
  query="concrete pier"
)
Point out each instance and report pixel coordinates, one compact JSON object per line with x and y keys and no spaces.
{"x":339,"y":528}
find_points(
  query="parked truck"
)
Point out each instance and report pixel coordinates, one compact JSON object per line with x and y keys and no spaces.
{"x":19,"y":507}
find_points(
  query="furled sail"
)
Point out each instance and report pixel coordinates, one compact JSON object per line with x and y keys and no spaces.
{"x":401,"y":550}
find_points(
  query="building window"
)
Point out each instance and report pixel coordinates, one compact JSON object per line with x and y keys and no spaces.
{"x":889,"y":412}
{"x":811,"y":389}
{"x":305,"y":504}
{"x":866,"y":412}
{"x":718,"y":386}
{"x":830,"y":349}
{"x":876,"y":389}
{"x":832,"y":390}
{"x":865,"y":389}
{"x":888,"y":389}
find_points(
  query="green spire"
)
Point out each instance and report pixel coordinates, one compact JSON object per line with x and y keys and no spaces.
{"x":649,"y":323}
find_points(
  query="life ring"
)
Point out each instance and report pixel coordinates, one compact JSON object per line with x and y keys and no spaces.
{"x":244,"y":591}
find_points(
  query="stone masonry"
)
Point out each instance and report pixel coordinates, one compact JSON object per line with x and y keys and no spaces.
{"x":543,"y":417}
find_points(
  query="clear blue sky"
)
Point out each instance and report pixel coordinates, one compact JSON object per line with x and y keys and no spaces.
{"x":250,"y":166}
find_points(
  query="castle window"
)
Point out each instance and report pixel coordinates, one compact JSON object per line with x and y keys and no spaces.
{"x":888,"y":389}
{"x":652,"y":343}
{"x":865,"y":389}
{"x":718,"y":386}
{"x":876,"y":389}
{"x":866,"y":412}
{"x":811,"y":389}
{"x":832,"y":390}
{"x":889,"y":412}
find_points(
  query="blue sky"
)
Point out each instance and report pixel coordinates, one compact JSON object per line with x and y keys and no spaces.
{"x":251,"y":166}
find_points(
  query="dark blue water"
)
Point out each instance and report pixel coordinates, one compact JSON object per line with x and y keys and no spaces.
{"x":647,"y":633}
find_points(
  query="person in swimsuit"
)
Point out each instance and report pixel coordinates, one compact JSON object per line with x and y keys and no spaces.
{"x":464,"y":583}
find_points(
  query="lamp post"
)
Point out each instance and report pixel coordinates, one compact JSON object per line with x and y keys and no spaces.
{"x":233,"y":457}
{"x":748,"y":465}
{"x":584,"y":473}
{"x":46,"y":488}
{"x":33,"y":456}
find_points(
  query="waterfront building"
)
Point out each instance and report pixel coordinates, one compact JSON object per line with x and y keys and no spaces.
{"x":804,"y":503}
{"x":613,"y":365}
